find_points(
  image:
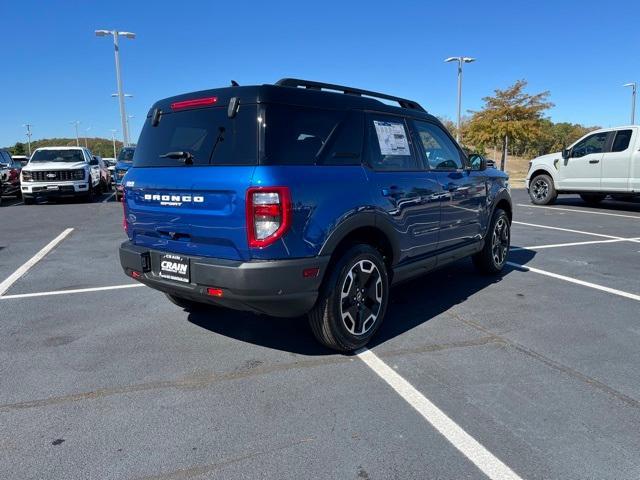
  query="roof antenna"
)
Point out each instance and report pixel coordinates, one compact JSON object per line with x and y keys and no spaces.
{"x":234,"y":83}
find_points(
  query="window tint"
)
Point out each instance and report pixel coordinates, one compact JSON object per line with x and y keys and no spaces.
{"x":621,"y":143}
{"x":389,"y":147}
{"x":66,"y":155}
{"x":4,"y":158}
{"x":301,"y":136}
{"x":440,"y":152}
{"x":126,"y":154}
{"x":592,"y":144}
{"x":198,"y":132}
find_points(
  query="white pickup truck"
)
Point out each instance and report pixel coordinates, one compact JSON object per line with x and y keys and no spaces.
{"x":603,"y":162}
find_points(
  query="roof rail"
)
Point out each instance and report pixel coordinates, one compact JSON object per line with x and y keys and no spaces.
{"x":311,"y":85}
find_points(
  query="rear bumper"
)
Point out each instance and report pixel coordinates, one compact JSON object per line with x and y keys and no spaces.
{"x":275,"y":287}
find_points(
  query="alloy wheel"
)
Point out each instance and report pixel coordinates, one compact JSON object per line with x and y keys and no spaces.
{"x":540,"y":189}
{"x":361,"y":297}
{"x":500,"y":241}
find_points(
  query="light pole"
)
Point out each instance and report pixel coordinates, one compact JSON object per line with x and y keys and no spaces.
{"x":461,"y":61}
{"x":28,"y":125}
{"x":86,"y":133}
{"x":634,"y":87}
{"x":123,"y":114}
{"x":76,"y":123}
{"x":129,"y":117}
{"x":113,"y":139}
{"x":126,"y":95}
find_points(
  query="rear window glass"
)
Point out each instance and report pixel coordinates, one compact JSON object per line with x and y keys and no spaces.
{"x":621,"y":143}
{"x":208,"y":134}
{"x":126,"y":154}
{"x":57,"y":156}
{"x":308,"y":136}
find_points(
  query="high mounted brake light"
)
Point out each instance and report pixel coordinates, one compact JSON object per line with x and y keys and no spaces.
{"x":196,"y":102}
{"x":268,"y":215}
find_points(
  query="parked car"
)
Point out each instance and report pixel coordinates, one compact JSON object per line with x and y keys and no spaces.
{"x":60,"y":172}
{"x":105,"y":175}
{"x":286,"y":201}
{"x":111,"y":166}
{"x":603,"y":162}
{"x":125,"y":159}
{"x":23,"y":159}
{"x":9,"y":175}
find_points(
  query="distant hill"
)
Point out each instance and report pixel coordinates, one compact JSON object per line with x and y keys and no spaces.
{"x":102,"y":147}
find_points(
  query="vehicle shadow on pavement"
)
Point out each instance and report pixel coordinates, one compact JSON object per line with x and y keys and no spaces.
{"x":411,"y":304}
{"x":631,"y":205}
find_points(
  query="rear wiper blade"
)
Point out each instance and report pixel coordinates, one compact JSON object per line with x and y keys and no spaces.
{"x":186,"y":156}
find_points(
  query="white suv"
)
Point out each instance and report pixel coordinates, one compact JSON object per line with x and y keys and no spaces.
{"x":60,"y":172}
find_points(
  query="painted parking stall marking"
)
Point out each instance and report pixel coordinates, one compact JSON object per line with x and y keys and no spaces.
{"x":489,"y":464}
{"x":13,"y":278}
{"x":576,"y":210}
{"x":67,"y":292}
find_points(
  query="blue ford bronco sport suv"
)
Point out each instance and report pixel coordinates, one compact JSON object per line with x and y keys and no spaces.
{"x":304,"y":198}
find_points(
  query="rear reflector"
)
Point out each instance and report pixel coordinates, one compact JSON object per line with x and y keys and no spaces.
{"x":311,"y":272}
{"x":136,"y":274}
{"x":196,"y":102}
{"x":214,"y":292}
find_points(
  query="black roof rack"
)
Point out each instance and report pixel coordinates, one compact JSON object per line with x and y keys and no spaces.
{"x":295,"y":82}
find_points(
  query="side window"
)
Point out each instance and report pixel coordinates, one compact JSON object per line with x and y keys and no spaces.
{"x":621,"y":142}
{"x":592,"y":144}
{"x":344,"y":145}
{"x":4,"y":158}
{"x":388,"y":146}
{"x":298,"y":135}
{"x":440,"y":152}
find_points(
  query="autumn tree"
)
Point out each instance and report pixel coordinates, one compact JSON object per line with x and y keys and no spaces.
{"x":510,"y":116}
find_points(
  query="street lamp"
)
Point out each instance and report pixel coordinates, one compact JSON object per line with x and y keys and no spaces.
{"x":86,"y":133}
{"x":461,"y":61}
{"x":123,"y":114}
{"x":28,"y":126}
{"x":126,"y":95}
{"x":129,"y":117}
{"x":113,"y":139}
{"x":634,"y":87}
{"x":76,"y":123}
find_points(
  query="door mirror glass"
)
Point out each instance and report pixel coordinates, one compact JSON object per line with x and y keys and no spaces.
{"x":566,"y":153}
{"x":477,"y":162}
{"x":94,"y":161}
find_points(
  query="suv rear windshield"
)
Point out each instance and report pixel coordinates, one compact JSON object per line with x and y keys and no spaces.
{"x":57,"y":156}
{"x":197,"y":132}
{"x":126,"y":154}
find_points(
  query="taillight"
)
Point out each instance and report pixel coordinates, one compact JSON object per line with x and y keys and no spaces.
{"x":268,"y":214}
{"x":125,"y":225}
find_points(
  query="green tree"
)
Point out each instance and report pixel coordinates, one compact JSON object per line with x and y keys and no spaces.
{"x":511,"y":116}
{"x":18,"y":149}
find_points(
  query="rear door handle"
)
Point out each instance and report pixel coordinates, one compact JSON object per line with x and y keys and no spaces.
{"x":594,"y":161}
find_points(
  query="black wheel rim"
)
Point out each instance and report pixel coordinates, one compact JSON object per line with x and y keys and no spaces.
{"x":500,"y":241}
{"x":361,"y":297}
{"x":540,"y":189}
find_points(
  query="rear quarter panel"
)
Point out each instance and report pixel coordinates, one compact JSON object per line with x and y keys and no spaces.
{"x":323,"y":198}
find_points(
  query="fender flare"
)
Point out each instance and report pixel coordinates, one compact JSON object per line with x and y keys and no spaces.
{"x":547,"y":170}
{"x":361,"y":219}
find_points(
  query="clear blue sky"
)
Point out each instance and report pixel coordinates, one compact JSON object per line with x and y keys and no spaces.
{"x":55,"y":70}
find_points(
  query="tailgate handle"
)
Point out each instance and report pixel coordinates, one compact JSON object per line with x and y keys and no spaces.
{"x":174,"y":235}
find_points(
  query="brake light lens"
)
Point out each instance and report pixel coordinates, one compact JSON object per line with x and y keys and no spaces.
{"x":268,"y":215}
{"x":195,"y":102}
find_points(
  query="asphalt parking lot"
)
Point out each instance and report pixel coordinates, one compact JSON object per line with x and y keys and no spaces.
{"x":535,"y":374}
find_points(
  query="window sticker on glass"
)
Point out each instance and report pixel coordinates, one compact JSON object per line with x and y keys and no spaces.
{"x":392,"y":138}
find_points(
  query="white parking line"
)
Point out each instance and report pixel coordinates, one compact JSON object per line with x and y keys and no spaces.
{"x":108,"y":198}
{"x":65,"y":292}
{"x":4,"y":286}
{"x":595,"y":286}
{"x":572,"y":244}
{"x":490,"y":465}
{"x":570,"y":230}
{"x":579,"y":211}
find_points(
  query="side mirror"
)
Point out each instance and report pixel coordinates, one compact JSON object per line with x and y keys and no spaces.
{"x":566,"y":153}
{"x":478,"y":162}
{"x":94,"y":162}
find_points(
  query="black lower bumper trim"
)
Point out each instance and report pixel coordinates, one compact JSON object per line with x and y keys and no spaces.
{"x":275,"y":287}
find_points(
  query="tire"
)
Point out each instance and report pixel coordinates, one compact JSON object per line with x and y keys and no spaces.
{"x":360,"y":272}
{"x":188,"y":305}
{"x":541,"y":190}
{"x":592,"y":198}
{"x":90,"y":195}
{"x":493,"y":256}
{"x":29,"y":200}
